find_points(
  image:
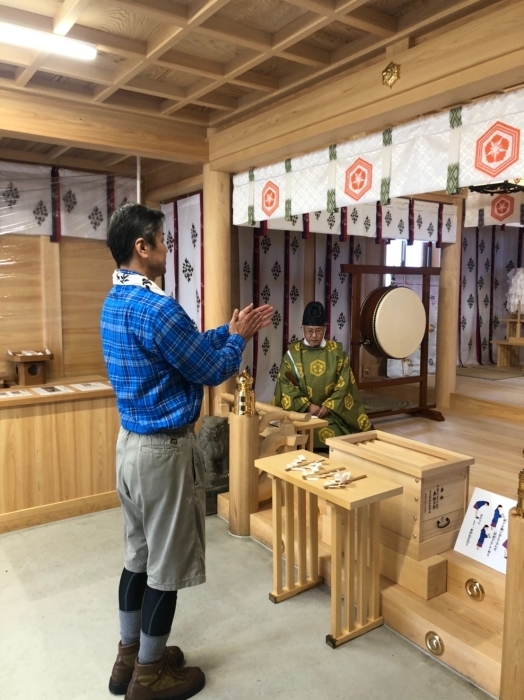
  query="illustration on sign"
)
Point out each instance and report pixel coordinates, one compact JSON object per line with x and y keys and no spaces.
{"x":484,"y":532}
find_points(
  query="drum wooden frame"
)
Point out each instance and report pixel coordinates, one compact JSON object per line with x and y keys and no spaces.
{"x":355,"y":546}
{"x":356,"y":272}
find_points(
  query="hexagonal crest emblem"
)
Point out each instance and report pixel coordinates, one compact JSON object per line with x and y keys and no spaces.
{"x":325,"y":433}
{"x":270,"y":198}
{"x":318,"y":367}
{"x":359,"y":178}
{"x":497,"y":149}
{"x":348,"y":402}
{"x":363,"y":422}
{"x":502,"y":207}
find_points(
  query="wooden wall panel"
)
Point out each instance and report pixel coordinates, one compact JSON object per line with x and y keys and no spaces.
{"x":56,"y":452}
{"x":21,"y":326}
{"x":86,"y":267}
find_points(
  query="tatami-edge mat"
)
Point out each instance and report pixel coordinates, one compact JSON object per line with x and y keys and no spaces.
{"x":488,"y":372}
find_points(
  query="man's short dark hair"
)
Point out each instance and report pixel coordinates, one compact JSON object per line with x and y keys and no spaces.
{"x":128,"y":223}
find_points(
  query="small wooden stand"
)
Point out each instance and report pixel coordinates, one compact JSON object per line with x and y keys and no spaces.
{"x":508,"y":350}
{"x":356,"y":271}
{"x":30,"y":370}
{"x":355,"y":532}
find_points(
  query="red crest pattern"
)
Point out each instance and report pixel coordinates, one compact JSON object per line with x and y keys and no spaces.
{"x":502,"y":207}
{"x":497,"y":149}
{"x":270,"y":198}
{"x":359,"y":179}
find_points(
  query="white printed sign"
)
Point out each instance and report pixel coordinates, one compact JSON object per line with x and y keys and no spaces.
{"x":484,"y":532}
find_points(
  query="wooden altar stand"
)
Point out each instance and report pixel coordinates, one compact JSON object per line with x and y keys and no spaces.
{"x":355,"y":543}
{"x":356,"y":271}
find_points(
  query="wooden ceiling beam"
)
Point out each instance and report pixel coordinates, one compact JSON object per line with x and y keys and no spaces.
{"x":195,"y":94}
{"x":321,"y":7}
{"x":191,"y":64}
{"x":256,"y":81}
{"x":175,"y":92}
{"x":372,"y":21}
{"x":67,"y":15}
{"x":432,"y":79}
{"x":93,"y":127}
{"x":283,"y":39}
{"x":162,"y":10}
{"x":76,"y":163}
{"x":26,"y":19}
{"x":112,"y":43}
{"x":307,"y":55}
{"x":114,"y":160}
{"x":235,"y":33}
{"x":16,"y":55}
{"x":176,"y":189}
{"x":162,"y":41}
{"x":24,"y":75}
{"x":56,"y":152}
{"x":149,"y":86}
{"x":200,"y":10}
{"x":362,"y":49}
{"x":438,"y":12}
{"x":79,"y":71}
{"x":134,"y":103}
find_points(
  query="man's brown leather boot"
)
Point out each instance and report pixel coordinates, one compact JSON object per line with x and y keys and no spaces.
{"x":125,"y":664}
{"x":164,"y":680}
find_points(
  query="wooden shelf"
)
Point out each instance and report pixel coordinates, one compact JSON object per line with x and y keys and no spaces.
{"x":73,"y":395}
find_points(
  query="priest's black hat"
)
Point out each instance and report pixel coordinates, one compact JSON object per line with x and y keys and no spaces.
{"x":314,"y":314}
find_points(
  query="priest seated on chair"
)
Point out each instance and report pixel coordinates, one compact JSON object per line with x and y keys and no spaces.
{"x":315,"y":376}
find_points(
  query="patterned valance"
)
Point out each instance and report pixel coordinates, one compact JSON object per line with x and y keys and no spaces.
{"x":38,"y":200}
{"x":412,"y":220}
{"x":469,"y":145}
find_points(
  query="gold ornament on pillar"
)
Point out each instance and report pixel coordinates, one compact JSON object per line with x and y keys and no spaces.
{"x":244,"y":404}
{"x":391,"y":74}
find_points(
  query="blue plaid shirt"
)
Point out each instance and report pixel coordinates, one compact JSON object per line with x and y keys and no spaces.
{"x":157,"y":361}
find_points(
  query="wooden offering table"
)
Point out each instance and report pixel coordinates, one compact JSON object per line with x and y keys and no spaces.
{"x":355,"y":542}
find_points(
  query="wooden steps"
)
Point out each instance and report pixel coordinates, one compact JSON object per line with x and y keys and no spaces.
{"x":499,"y":410}
{"x":471,"y":629}
{"x":461,"y":569}
{"x":472,"y":639}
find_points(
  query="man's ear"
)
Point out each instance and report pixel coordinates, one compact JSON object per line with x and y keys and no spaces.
{"x":141,"y":247}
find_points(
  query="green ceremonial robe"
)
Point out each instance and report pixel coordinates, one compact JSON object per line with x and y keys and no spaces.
{"x":321,"y":376}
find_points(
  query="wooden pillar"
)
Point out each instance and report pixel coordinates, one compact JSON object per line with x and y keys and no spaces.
{"x":448,"y":315}
{"x":217,"y":260}
{"x":512,"y":673}
{"x":52,"y":305}
{"x":243,"y":476}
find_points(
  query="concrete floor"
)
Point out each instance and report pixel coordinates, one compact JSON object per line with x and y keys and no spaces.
{"x":58,"y":626}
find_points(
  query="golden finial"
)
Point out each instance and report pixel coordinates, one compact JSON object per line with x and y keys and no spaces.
{"x":244,"y":395}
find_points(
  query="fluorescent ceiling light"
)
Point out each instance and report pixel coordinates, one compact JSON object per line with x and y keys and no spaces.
{"x":35,"y":39}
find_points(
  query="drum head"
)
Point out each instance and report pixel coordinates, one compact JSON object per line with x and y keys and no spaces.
{"x":399,"y":322}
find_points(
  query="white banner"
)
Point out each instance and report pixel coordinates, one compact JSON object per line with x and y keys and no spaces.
{"x":83,"y":205}
{"x":189,"y":274}
{"x":170,"y":241}
{"x":25,"y":199}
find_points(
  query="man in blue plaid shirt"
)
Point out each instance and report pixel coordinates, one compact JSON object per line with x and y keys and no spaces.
{"x":158,"y":363}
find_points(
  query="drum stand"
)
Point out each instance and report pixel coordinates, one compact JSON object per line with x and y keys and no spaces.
{"x":356,"y":271}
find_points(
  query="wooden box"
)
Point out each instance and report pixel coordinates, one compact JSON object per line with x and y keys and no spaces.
{"x":30,"y":370}
{"x":426,"y":518}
